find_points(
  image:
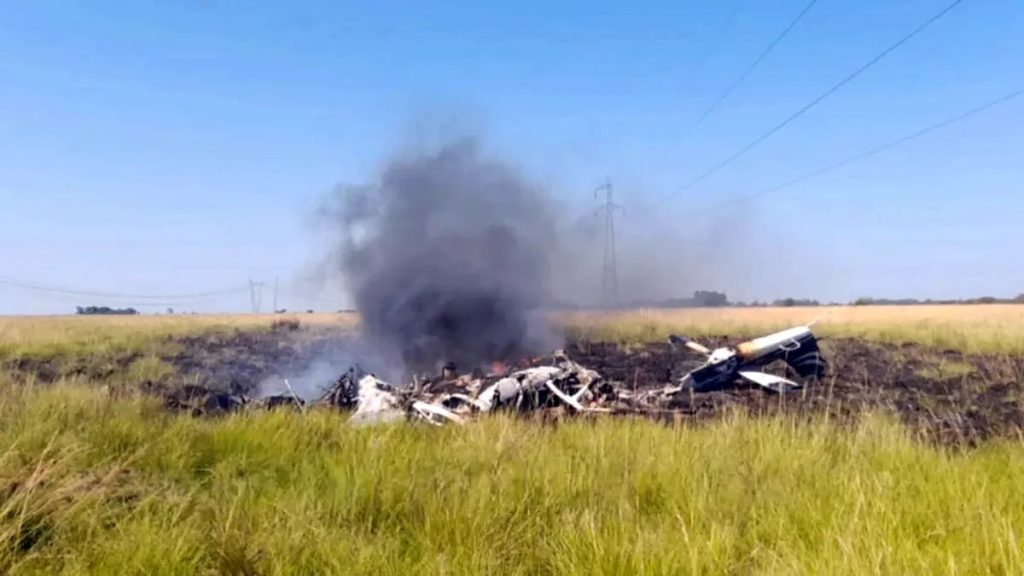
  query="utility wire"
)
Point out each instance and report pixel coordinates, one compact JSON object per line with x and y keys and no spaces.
{"x":720,"y":31}
{"x":715,"y":39}
{"x":817,"y":100}
{"x":732,"y":87}
{"x":867,"y":153}
{"x":114,"y":295}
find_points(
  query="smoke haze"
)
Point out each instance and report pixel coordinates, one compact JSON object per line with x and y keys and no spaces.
{"x":447,"y":258}
{"x":451,"y":255}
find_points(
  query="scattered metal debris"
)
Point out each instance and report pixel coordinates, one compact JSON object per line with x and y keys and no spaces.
{"x":567,"y":385}
{"x":454,"y":399}
{"x":560,"y":383}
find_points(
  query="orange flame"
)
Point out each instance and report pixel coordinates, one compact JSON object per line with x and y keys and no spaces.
{"x":498,"y":367}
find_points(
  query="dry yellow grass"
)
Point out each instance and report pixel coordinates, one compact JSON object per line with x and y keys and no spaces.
{"x":976,"y":328}
{"x":56,"y":334}
{"x":973,"y":328}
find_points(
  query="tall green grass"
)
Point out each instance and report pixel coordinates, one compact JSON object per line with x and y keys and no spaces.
{"x":94,"y":486}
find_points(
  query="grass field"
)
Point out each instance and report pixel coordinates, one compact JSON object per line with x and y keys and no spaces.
{"x":997,"y":328}
{"x":57,"y":335}
{"x":121,"y":488}
{"x":91,"y":484}
{"x":989,"y":329}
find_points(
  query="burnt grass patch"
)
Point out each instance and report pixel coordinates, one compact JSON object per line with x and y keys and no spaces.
{"x":49,"y":369}
{"x":240,"y":360}
{"x":225,"y":360}
{"x":944,"y":395}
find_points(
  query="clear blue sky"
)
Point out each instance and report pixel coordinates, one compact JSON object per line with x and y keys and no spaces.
{"x":179,"y":146}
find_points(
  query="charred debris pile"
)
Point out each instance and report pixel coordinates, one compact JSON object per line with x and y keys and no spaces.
{"x":552,"y":385}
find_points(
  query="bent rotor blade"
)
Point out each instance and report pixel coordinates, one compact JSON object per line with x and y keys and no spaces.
{"x":699,"y":348}
{"x":570,"y":401}
{"x":579,"y":393}
{"x":425,"y":408}
{"x":770,"y":381}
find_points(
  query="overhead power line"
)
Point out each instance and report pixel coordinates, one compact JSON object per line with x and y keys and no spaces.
{"x":868,"y":153}
{"x":715,"y":39}
{"x":732,"y":87}
{"x":719,"y":33}
{"x":33,"y":286}
{"x":814,"y":102}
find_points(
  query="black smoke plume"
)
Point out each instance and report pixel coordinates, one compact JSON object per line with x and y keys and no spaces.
{"x":447,"y":257}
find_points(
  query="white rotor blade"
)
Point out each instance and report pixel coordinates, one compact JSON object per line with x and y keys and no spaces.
{"x":572,"y":401}
{"x":698,"y":347}
{"x":425,"y":408}
{"x":675,"y":339}
{"x":769,"y":381}
{"x":564,"y":397}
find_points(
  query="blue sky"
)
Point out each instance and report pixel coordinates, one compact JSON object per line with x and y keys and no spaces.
{"x":180,"y":146}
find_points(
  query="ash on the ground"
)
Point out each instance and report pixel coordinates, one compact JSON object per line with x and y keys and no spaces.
{"x":946,"y":395}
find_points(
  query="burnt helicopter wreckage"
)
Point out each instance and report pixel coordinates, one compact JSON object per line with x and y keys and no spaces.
{"x":569,"y":386}
{"x":797,"y":347}
{"x":559,"y":384}
{"x":563,"y":383}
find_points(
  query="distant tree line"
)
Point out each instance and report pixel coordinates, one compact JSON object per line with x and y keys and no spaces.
{"x":700,"y":299}
{"x":103,"y":310}
{"x":713,"y":299}
{"x":791,"y":302}
{"x":914,"y":301}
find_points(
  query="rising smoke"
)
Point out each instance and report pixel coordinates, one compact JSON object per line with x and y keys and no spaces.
{"x":447,"y":257}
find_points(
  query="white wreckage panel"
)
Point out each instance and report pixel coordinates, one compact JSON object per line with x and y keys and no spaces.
{"x":514,"y":387}
{"x":376,"y":402}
